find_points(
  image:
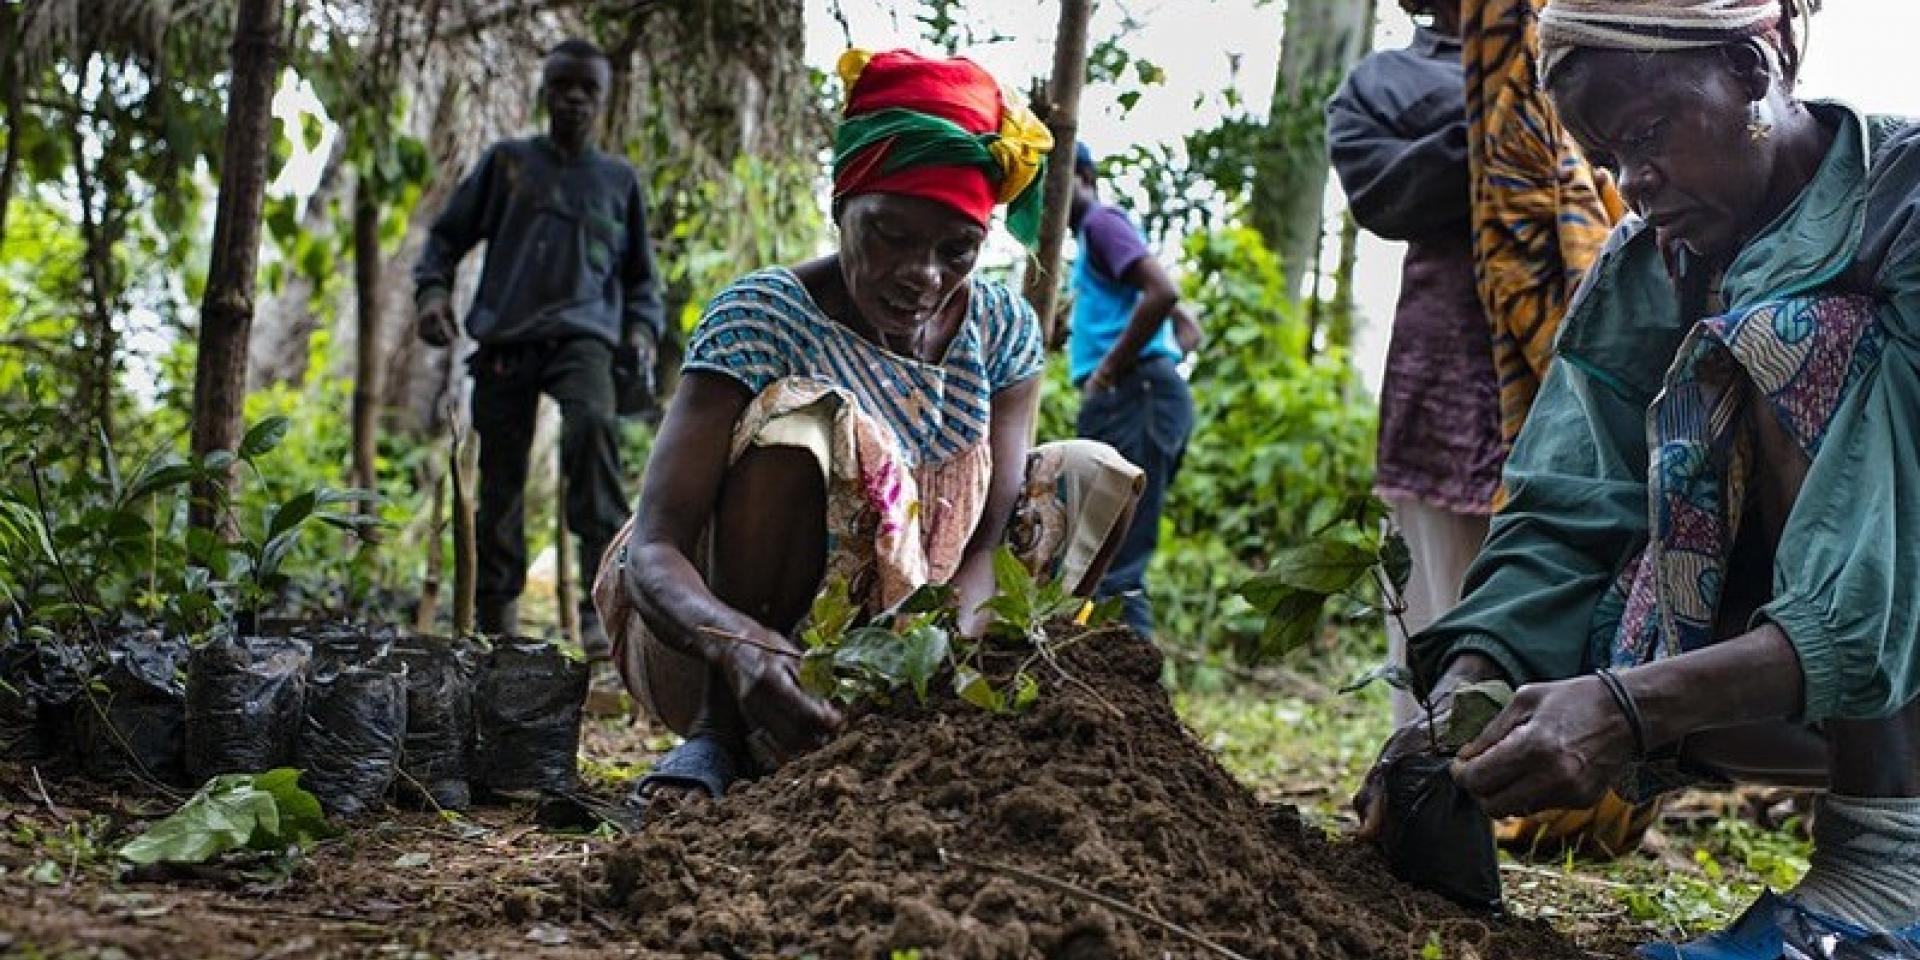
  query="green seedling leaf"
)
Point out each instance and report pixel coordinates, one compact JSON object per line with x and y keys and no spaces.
{"x":873,"y":656}
{"x":974,"y":688}
{"x":158,"y":477}
{"x":243,"y":810}
{"x":933,"y":598}
{"x":1393,"y":675}
{"x":830,"y":617}
{"x":262,"y":437}
{"x":329,"y":497}
{"x":1396,"y":561}
{"x":292,"y":513}
{"x":216,"y":461}
{"x":925,"y":648}
{"x":1474,"y":706}
{"x":301,"y":817}
{"x":816,"y":673}
{"x":1026,"y":690}
{"x":1326,"y":566}
{"x":274,"y":553}
{"x":1013,"y":583}
{"x":1108,"y":611}
{"x":1293,"y":617}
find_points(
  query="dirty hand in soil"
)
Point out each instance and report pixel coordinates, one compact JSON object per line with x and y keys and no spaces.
{"x":435,"y":321}
{"x":1557,"y":744}
{"x":1418,"y":736}
{"x":766,"y":684}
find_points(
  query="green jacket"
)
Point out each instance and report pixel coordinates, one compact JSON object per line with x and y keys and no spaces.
{"x":1846,"y":587}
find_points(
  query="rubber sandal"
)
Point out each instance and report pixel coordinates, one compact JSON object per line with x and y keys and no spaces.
{"x":704,"y":763}
{"x":1777,"y":928}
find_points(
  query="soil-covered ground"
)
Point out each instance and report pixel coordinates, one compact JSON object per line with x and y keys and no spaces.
{"x":1093,"y":825}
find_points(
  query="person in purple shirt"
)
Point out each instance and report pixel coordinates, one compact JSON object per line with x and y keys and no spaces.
{"x":1397,"y":135}
{"x":1124,"y":345}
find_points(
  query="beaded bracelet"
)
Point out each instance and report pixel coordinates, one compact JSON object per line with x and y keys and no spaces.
{"x":1628,"y":708}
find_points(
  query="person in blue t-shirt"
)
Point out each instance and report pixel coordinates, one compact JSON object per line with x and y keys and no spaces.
{"x":1124,"y":345}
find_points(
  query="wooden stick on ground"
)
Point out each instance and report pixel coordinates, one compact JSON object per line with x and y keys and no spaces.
{"x":463,"y":462}
{"x":563,"y":587}
{"x":1063,"y":887}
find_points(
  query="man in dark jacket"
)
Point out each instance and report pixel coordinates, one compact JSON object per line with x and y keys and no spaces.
{"x":1397,"y":132}
{"x":568,"y":305}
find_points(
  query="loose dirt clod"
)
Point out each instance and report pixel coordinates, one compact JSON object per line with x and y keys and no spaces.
{"x":914,"y":830}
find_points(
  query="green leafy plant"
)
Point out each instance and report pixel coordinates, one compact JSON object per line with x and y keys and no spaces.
{"x":911,"y":644}
{"x":251,"y":561}
{"x":851,"y":663}
{"x":264,"y":811}
{"x":1349,"y":553}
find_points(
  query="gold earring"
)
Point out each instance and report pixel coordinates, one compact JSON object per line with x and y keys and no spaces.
{"x":1759,"y":120}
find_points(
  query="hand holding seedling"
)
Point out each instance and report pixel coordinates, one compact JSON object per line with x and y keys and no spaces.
{"x":1424,"y":734}
{"x":1556,"y":745}
{"x":765,"y":674}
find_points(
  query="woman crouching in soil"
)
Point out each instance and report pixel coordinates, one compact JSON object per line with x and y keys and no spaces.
{"x":1709,"y":568}
{"x":864,"y":417}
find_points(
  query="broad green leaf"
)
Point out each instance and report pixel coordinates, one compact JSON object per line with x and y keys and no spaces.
{"x":226,"y":814}
{"x":1474,"y":706}
{"x":830,"y":617}
{"x":292,"y":513}
{"x":274,"y":553}
{"x":974,"y":689}
{"x":216,"y":461}
{"x":262,"y":437}
{"x":816,"y":673}
{"x":1326,"y":566}
{"x":1396,"y":561}
{"x":1012,"y":581}
{"x":924,"y":649}
{"x":1293,"y":621}
{"x":872,"y":652}
{"x":327,"y":496}
{"x":301,"y":818}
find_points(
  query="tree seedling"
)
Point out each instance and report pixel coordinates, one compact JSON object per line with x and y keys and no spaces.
{"x":910,"y":644}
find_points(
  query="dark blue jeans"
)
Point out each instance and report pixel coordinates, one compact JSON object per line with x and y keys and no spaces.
{"x":1147,"y":417}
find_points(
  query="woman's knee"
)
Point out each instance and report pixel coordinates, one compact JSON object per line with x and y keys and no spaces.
{"x":770,"y":535}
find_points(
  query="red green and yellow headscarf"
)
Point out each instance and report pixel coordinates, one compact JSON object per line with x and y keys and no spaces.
{"x":939,"y":129}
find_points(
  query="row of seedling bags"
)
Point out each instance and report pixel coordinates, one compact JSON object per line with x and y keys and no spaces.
{"x":361,"y":712}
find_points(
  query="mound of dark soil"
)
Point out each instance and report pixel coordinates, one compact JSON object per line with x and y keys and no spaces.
{"x":950,"y":830}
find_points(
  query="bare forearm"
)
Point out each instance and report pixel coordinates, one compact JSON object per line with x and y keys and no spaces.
{"x":1752,"y":678}
{"x":1148,"y":315}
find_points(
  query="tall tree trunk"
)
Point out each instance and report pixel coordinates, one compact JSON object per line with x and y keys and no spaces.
{"x":96,"y":387}
{"x":1042,"y":287}
{"x":226,"y":309}
{"x":10,"y":75}
{"x":1322,"y":41}
{"x":366,"y":374}
{"x":1341,"y":310}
